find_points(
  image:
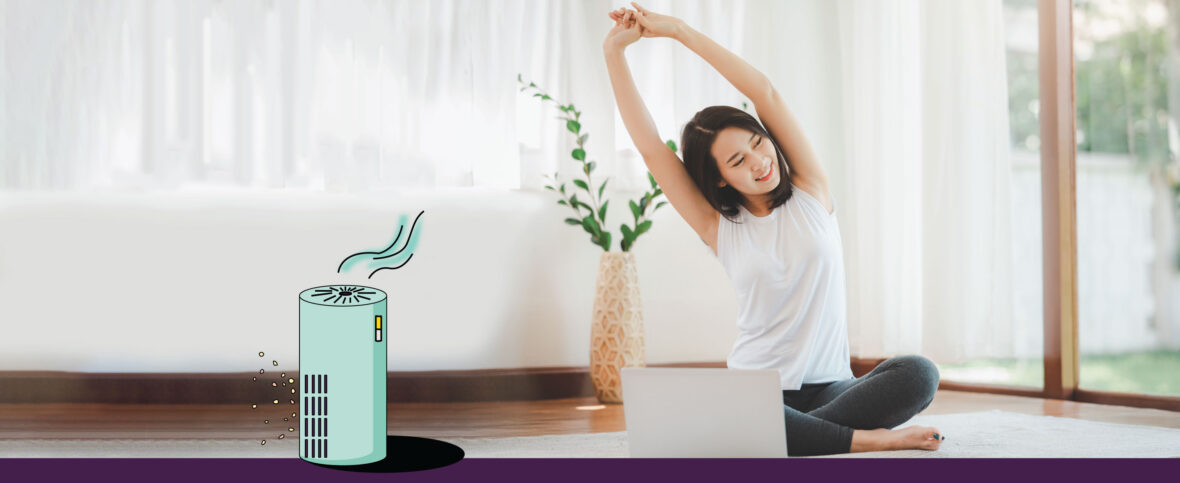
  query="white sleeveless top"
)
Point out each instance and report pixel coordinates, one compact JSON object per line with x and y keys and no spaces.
{"x":788,"y":271}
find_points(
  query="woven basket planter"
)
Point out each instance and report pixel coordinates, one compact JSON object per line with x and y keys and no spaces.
{"x":616,"y":333}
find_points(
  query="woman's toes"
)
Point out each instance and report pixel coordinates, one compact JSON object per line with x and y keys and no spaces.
{"x":919,"y":437}
{"x":933,"y":438}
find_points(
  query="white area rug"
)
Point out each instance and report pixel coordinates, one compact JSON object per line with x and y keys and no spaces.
{"x":990,"y":434}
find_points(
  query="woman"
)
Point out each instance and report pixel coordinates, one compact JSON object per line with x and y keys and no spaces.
{"x":756,"y":194}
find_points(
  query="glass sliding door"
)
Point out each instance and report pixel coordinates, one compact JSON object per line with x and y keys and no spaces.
{"x":1127,"y":67}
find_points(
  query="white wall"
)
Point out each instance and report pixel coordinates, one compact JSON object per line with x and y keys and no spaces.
{"x":203,"y":281}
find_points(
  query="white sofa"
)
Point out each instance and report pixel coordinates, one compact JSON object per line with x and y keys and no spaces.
{"x":203,"y":281}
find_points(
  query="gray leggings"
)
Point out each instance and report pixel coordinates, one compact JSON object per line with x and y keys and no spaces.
{"x":820,"y":417}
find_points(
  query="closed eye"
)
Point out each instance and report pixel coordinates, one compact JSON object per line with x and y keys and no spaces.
{"x":743,"y":158}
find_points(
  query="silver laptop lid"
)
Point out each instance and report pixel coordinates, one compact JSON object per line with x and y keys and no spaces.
{"x":703,"y":413}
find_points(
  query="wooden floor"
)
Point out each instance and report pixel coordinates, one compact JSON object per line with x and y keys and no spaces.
{"x":558,"y":416}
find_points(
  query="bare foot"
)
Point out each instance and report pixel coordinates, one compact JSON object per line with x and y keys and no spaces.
{"x":911,"y":437}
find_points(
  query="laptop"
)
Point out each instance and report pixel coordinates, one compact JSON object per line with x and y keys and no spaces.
{"x":703,"y":413}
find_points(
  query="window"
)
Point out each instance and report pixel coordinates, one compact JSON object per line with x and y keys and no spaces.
{"x":1127,"y":65}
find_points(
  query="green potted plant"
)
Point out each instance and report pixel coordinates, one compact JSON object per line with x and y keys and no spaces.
{"x":616,"y":331}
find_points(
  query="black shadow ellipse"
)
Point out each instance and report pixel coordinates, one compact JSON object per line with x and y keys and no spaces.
{"x":407,"y":453}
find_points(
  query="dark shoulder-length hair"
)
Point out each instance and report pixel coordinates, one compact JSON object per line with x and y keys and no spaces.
{"x":697,"y":142}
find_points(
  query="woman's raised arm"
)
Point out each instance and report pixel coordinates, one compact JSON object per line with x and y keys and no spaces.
{"x":663,"y":163}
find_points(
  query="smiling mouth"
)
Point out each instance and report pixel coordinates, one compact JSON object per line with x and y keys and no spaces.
{"x":768,"y":173}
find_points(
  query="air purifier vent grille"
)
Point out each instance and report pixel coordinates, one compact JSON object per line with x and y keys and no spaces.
{"x":343,"y":295}
{"x":315,"y":416}
{"x":315,"y":383}
{"x":315,"y":448}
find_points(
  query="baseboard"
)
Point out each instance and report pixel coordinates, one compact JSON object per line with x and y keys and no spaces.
{"x":526,"y":384}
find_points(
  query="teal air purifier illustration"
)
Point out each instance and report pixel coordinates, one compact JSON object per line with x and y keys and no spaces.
{"x":342,"y":367}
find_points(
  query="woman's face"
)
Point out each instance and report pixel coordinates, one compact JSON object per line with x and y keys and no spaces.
{"x":747,"y":161}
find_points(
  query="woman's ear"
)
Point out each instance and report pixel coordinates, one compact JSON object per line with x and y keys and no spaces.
{"x":721,"y":183}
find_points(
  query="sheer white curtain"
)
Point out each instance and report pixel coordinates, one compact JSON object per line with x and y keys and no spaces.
{"x":926,"y":180}
{"x":342,"y":95}
{"x":338,"y":96}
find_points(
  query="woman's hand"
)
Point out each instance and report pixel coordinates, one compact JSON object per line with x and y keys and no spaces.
{"x":625,"y":32}
{"x":656,"y":25}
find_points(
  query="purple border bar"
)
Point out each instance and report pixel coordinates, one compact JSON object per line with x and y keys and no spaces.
{"x":599,"y":470}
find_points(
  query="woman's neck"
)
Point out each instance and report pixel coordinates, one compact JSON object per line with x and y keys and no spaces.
{"x":758,"y":205}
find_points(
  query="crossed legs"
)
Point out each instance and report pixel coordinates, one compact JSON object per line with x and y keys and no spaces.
{"x":856,"y":414}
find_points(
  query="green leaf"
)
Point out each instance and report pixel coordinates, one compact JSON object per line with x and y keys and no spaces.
{"x":590,"y":225}
{"x":582,"y":138}
{"x":642,"y":228}
{"x":634,"y":209}
{"x":605,"y":241}
{"x":519,"y":77}
{"x":574,"y":201}
{"x":538,"y":94}
{"x":671,"y":144}
{"x":573,"y":126}
{"x":550,"y":188}
{"x":602,"y":211}
{"x":546,"y":97}
{"x":602,"y":187}
{"x":643,"y":203}
{"x":628,"y":235}
{"x":657,"y":193}
{"x":562,"y":202}
{"x":562,"y":188}
{"x":579,"y":154}
{"x":573,"y":221}
{"x":582,"y":184}
{"x":652,"y":179}
{"x":590,"y":167}
{"x":658,"y":205}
